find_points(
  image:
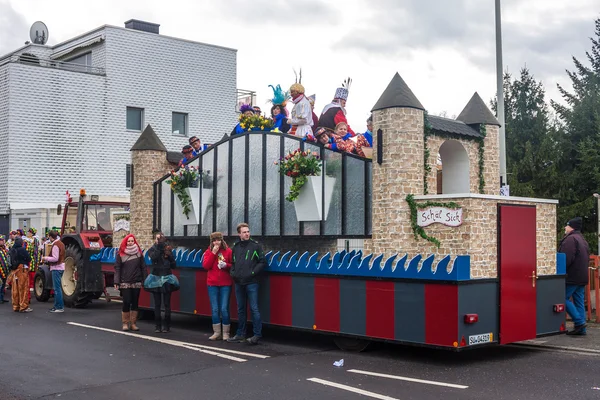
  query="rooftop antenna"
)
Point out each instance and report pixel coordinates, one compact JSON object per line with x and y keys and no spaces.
{"x":38,"y":33}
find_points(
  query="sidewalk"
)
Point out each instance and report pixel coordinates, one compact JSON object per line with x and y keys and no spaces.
{"x":589,"y":343}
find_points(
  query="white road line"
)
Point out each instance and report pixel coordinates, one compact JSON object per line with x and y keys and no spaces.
{"x":176,"y":343}
{"x":241,"y":353}
{"x":559,"y":349}
{"x":351,"y":389}
{"x":403,"y":378}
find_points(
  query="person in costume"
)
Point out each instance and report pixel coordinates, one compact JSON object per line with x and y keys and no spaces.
{"x":130,"y":272}
{"x":335,"y":112}
{"x":369,"y":132}
{"x":315,"y":118}
{"x":11,"y":239}
{"x":19,"y":265}
{"x":4,"y":267}
{"x":188,"y":154}
{"x":245,"y":111}
{"x":301,"y":116}
{"x":333,"y":141}
{"x":279,"y":113}
{"x":161,"y":282}
{"x":33,"y":248}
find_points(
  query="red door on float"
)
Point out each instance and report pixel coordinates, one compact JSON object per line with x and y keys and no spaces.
{"x":517,"y":260}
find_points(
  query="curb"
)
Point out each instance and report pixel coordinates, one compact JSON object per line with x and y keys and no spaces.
{"x":553,"y":347}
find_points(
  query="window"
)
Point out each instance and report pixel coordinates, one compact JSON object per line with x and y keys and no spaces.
{"x":81,"y":63}
{"x":180,"y":121}
{"x":135,"y":118}
{"x":129,"y":176}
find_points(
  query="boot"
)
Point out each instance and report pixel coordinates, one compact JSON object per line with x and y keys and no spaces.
{"x":226,"y":330}
{"x":133,"y":319}
{"x":125,"y":318}
{"x":167,"y":322}
{"x":157,"y":322}
{"x":217,"y":332}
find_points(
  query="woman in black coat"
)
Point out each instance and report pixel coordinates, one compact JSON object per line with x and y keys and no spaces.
{"x":161,"y":281}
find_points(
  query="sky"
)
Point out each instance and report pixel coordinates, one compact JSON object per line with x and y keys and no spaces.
{"x":443,"y":49}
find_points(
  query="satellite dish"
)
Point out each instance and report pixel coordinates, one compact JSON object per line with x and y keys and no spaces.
{"x":38,"y":33}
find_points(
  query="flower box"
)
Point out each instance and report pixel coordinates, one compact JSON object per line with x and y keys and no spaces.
{"x":193,"y":217}
{"x":309,"y":204}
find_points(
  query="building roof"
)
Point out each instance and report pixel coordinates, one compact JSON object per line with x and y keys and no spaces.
{"x":174,"y":157}
{"x":447,"y":125}
{"x":476,"y":112}
{"x":149,"y":141}
{"x":397,"y":94}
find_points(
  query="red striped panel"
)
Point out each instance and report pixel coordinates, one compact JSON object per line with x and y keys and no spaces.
{"x":175,"y":296}
{"x":380,"y":309}
{"x":145,"y":296}
{"x":280,"y":288}
{"x":202,"y":300}
{"x":441,"y":314}
{"x":327,"y":304}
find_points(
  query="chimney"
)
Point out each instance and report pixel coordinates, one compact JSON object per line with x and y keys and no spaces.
{"x":142,"y":26}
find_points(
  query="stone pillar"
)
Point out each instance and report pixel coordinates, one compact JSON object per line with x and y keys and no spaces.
{"x":491,"y":160}
{"x":149,"y":160}
{"x":399,"y":115}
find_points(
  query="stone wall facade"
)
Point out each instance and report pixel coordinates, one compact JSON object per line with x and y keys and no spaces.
{"x":148,"y":166}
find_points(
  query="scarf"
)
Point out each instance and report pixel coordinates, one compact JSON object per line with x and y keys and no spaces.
{"x":296,"y":99}
{"x":132,"y":250}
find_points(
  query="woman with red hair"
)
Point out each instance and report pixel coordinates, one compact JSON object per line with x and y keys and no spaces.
{"x":130,"y":271}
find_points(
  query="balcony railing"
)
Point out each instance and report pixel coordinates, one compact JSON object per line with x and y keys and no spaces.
{"x":30,"y":59}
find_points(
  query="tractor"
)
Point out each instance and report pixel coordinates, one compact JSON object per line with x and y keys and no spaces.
{"x":87,"y":227}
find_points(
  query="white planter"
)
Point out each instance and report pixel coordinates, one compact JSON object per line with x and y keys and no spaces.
{"x":194,"y":214}
{"x":309,"y":204}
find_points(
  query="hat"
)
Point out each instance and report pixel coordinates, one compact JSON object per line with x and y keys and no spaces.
{"x":2,"y":237}
{"x":312,"y":98}
{"x":187,"y":147}
{"x":342,"y":92}
{"x":322,"y":131}
{"x":20,"y":232}
{"x":256,"y":108}
{"x":13,"y":232}
{"x":297,"y":87}
{"x":216,"y":236}
{"x":279,"y":96}
{"x":193,"y":139}
{"x":32,"y":230}
{"x":576,"y":223}
{"x":246,"y":107}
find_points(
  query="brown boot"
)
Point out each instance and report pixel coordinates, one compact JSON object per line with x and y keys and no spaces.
{"x":133,"y":319}
{"x":226,"y":330}
{"x":125,"y":318}
{"x":217,"y":332}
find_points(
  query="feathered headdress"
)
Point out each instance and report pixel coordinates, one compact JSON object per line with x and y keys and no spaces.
{"x":298,"y":85}
{"x":279,"y":96}
{"x":246,"y":107}
{"x":342,"y":92}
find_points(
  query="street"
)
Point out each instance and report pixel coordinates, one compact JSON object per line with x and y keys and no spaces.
{"x":83,"y":354}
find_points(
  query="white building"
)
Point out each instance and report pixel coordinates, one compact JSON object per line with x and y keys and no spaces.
{"x":70,"y":113}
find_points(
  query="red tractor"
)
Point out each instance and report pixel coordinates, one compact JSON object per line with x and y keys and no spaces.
{"x":87,"y":227}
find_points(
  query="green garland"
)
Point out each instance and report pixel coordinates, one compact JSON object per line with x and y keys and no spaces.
{"x":427,"y":128}
{"x":414,"y":208}
{"x":483,"y":132}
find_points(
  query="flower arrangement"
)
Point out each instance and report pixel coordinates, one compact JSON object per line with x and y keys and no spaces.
{"x":183,"y":178}
{"x":298,"y":165}
{"x":255,"y":123}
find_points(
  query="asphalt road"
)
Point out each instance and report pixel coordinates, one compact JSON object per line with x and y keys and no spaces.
{"x":81,"y":354}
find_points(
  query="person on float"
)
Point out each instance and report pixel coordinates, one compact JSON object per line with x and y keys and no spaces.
{"x":130,"y":272}
{"x":279,"y":113}
{"x":4,"y":267}
{"x":217,"y":260}
{"x":315,"y":118}
{"x":161,"y":282}
{"x":188,"y":154}
{"x":335,"y":112}
{"x":246,"y":110}
{"x":333,"y":141}
{"x":300,"y":118}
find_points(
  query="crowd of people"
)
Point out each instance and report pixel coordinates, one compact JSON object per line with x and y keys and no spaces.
{"x":331,"y":128}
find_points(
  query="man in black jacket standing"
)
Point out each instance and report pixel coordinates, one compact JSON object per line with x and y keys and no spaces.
{"x":578,"y":254}
{"x":248,"y":262}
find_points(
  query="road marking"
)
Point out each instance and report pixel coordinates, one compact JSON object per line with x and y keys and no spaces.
{"x":214,"y":351}
{"x":558,"y":349}
{"x":404,"y":378}
{"x":351,"y":389}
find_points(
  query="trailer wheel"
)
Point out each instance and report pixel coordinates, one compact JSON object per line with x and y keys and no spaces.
{"x":39,"y":287}
{"x":71,"y":286}
{"x":351,"y":344}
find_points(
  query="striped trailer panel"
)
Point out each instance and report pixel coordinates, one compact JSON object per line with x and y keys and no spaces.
{"x":327,"y":304}
{"x":441,"y":314}
{"x":479,"y":298}
{"x":380,"y":305}
{"x":409,"y":306}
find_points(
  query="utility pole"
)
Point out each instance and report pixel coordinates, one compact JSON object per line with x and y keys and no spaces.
{"x":500,"y":94}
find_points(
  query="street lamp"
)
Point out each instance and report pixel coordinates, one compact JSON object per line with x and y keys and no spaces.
{"x":597,"y":196}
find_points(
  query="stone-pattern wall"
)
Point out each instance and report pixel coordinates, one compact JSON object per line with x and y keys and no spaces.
{"x":148,"y":166}
{"x":491,"y":160}
{"x":400,"y":173}
{"x":434,"y":143}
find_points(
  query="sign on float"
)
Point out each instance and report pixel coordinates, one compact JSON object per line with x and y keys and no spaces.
{"x":439,"y":215}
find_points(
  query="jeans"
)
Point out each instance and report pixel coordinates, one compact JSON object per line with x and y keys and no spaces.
{"x":165,"y":297}
{"x":130,"y":299}
{"x":219,"y":301}
{"x":58,"y":294}
{"x":250,"y":291}
{"x":2,"y":290}
{"x":576,"y":308}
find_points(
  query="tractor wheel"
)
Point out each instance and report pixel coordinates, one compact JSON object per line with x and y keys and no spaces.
{"x":351,"y":344}
{"x":39,"y":286}
{"x":71,"y":286}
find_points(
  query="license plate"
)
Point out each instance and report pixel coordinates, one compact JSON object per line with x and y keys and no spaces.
{"x":480,"y":339}
{"x":95,"y":245}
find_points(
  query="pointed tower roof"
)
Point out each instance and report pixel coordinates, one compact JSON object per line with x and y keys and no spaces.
{"x":397,"y":94}
{"x":149,"y":141}
{"x":476,"y":112}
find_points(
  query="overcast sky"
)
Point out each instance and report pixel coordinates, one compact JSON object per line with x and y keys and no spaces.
{"x":444,"y":49}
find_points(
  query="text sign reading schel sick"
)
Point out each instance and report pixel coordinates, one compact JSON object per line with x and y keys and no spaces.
{"x":441,"y":215}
